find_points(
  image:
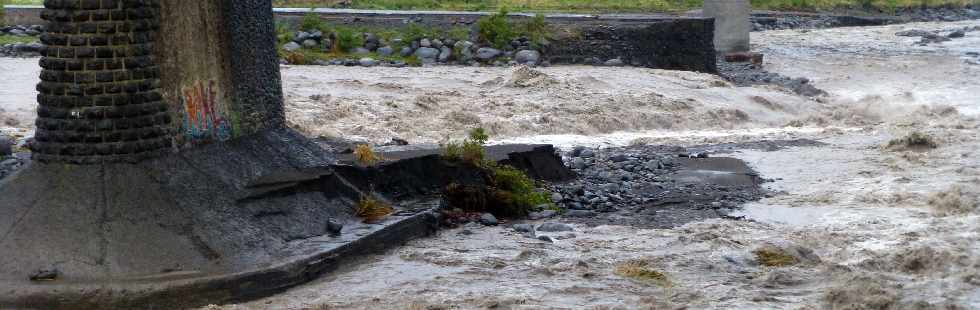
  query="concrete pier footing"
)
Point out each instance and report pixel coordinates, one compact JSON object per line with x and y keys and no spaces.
{"x":732,"y":24}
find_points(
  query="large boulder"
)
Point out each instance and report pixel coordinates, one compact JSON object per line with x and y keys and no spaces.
{"x":528,"y":57}
{"x":292,"y":46}
{"x":6,"y":146}
{"x":486,"y":53}
{"x":407,"y":51}
{"x":445,"y":53}
{"x":465,"y":49}
{"x":301,"y":36}
{"x":368,"y":62}
{"x":386,"y":51}
{"x":427,"y":54}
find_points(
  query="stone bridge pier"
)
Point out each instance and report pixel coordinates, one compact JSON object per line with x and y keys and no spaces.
{"x":163,"y":174}
{"x":127,"y":80}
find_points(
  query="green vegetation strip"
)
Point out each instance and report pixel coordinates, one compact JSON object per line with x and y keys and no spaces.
{"x":613,"y":5}
{"x":598,"y":5}
{"x":7,"y":39}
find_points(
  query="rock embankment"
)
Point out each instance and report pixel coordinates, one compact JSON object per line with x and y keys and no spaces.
{"x":30,"y":49}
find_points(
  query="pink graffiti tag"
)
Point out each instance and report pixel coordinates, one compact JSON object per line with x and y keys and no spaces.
{"x":203,"y":122}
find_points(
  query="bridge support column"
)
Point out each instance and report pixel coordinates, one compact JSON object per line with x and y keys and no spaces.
{"x":732,"y":24}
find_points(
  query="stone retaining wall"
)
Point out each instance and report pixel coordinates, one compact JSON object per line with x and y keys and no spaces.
{"x":657,"y":41}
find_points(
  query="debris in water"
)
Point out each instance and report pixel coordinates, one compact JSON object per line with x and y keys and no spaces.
{"x":640,"y":270}
{"x":372,"y":209}
{"x":913,"y":141}
{"x":774,"y":257}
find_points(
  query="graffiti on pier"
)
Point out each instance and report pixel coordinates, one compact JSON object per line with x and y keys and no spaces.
{"x":204,"y":120}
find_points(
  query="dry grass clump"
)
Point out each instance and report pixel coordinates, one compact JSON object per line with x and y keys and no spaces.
{"x":913,"y":141}
{"x":524,"y":76}
{"x":641,"y":270}
{"x":373,"y":210}
{"x":366,"y":156}
{"x":774,"y":257}
{"x":953,"y":201}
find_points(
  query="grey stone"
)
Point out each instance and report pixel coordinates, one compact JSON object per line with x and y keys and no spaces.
{"x":579,"y":213}
{"x":334,"y":227}
{"x":486,"y":53}
{"x":556,"y":197}
{"x":587,"y":153}
{"x":360,"y":50}
{"x":611,"y":187}
{"x":10,"y":162}
{"x":489,"y":220}
{"x":654,"y":165}
{"x":619,"y":158}
{"x":17,"y":32}
{"x":371,"y":38}
{"x":292,"y":46}
{"x":32,"y":32}
{"x":957,"y":34}
{"x":425,"y":43}
{"x":546,"y":239}
{"x":437,"y":43}
{"x":465,"y":49}
{"x":316,"y":35}
{"x":445,"y":53}
{"x":567,"y":236}
{"x":554,"y":227}
{"x":301,"y":36}
{"x":427,"y":54}
{"x":542,"y":215}
{"x":578,"y":163}
{"x":309,"y":43}
{"x":615,"y":62}
{"x":386,"y":51}
{"x":6,"y":146}
{"x":407,"y":51}
{"x":321,"y":62}
{"x":531,"y":57}
{"x":29,"y":47}
{"x":368,"y":62}
{"x":524,"y":228}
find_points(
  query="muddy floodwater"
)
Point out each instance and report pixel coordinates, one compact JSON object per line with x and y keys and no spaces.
{"x":869,"y":226}
{"x":873,"y":227}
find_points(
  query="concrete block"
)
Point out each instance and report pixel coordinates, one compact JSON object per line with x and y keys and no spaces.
{"x":732,"y":24}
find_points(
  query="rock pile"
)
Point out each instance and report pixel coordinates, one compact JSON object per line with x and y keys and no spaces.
{"x":931,"y":37}
{"x":9,"y":161}
{"x":629,"y":185}
{"x":21,"y":49}
{"x":789,"y":21}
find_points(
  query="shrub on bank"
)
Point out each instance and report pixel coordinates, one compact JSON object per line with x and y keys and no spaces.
{"x":509,"y":192}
